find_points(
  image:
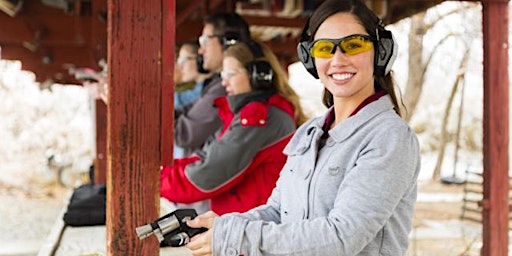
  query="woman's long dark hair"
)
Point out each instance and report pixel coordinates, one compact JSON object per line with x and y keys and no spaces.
{"x":370,"y":22}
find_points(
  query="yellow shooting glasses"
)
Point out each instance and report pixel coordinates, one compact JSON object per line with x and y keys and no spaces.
{"x":349,"y":45}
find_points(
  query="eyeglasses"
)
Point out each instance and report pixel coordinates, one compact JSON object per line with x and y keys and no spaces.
{"x":181,"y":60}
{"x":350,"y":45}
{"x":228,"y":74}
{"x":204,"y":39}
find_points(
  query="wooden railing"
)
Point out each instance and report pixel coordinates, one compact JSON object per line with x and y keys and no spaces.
{"x":473,"y":196}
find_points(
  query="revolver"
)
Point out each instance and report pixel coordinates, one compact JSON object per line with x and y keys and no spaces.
{"x":171,"y":229}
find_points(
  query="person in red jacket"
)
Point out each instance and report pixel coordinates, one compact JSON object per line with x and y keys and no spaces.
{"x":238,"y":169}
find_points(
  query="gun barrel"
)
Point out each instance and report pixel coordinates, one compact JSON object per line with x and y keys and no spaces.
{"x":144,"y":231}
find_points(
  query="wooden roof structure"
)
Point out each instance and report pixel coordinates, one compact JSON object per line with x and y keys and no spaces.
{"x":52,"y":38}
{"x":136,"y":38}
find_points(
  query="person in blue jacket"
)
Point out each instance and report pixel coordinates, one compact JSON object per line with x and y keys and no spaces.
{"x":192,"y":81}
{"x":189,"y":74}
{"x":350,"y":181}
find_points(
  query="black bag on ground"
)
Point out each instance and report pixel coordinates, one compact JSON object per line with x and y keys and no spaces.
{"x":87,"y":206}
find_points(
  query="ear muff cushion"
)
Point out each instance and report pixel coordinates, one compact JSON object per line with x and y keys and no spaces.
{"x":260,"y":75}
{"x":385,"y":53}
{"x":199,"y":63}
{"x":303,"y":52}
{"x":305,"y":58}
{"x":230,"y":38}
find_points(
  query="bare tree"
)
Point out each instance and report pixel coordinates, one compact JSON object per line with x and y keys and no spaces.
{"x":417,"y":64}
{"x":444,"y":131}
{"x":416,"y":72}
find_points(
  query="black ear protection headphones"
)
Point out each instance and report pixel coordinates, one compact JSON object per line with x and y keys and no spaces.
{"x":260,"y":75}
{"x":260,"y":71}
{"x":385,"y":51}
{"x":199,"y":63}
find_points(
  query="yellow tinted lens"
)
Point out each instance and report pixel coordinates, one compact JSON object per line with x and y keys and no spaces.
{"x":355,"y":45}
{"x":322,"y":49}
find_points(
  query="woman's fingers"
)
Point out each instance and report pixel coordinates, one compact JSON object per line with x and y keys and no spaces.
{"x":204,"y":220}
{"x":200,"y":245}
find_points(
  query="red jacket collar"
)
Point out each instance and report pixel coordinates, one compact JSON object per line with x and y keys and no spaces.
{"x":252,"y":113}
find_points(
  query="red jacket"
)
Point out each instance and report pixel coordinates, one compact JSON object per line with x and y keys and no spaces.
{"x":238,"y":170}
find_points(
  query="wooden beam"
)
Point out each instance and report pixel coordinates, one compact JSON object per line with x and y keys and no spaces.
{"x":189,"y":32}
{"x":100,"y":161}
{"x":98,"y":46}
{"x":184,"y":14}
{"x":168,"y":38}
{"x":496,"y":131}
{"x":51,"y":63}
{"x":59,"y":30}
{"x":98,"y":42}
{"x":397,"y":10}
{"x":61,"y":57}
{"x":134,"y":123}
{"x":275,"y":21}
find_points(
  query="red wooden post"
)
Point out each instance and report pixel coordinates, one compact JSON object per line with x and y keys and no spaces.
{"x":100,"y":163}
{"x":496,"y":134}
{"x":168,"y":52}
{"x":134,"y":123}
{"x":99,"y":51}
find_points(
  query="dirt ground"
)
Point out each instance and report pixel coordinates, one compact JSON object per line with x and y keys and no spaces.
{"x":28,"y":215}
{"x":438,"y":228}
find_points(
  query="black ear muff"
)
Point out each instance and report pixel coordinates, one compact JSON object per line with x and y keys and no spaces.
{"x":230,"y":38}
{"x":260,"y":75}
{"x":236,"y":30}
{"x":306,"y":59}
{"x":303,"y":51}
{"x":385,"y":53}
{"x":199,"y":63}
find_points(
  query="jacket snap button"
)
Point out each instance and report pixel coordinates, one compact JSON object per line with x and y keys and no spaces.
{"x":231,"y":252}
{"x":244,"y":121}
{"x":262,"y":121}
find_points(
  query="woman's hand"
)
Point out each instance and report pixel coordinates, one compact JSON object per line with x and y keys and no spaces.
{"x":201,"y":244}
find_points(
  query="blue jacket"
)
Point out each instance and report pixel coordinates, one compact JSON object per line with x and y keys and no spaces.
{"x":354,"y":196}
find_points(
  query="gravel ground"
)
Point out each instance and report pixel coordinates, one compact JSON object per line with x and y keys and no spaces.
{"x":27,"y":216}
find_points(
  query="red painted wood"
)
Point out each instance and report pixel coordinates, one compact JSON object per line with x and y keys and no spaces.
{"x":191,"y":7}
{"x":168,"y":52}
{"x":59,"y":30}
{"x":98,"y":43}
{"x":134,"y":123}
{"x":100,"y":162}
{"x":496,"y":133}
{"x":99,"y":51}
{"x":56,"y":69}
